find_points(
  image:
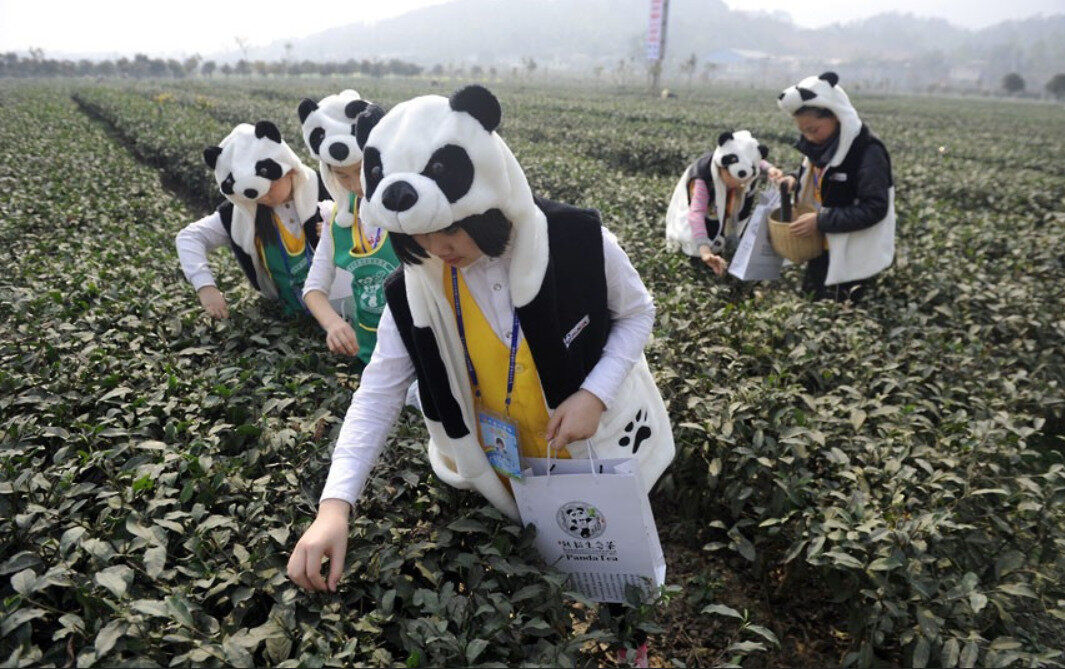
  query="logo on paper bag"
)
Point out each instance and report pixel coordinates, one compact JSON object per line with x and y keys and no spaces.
{"x":581,"y":520}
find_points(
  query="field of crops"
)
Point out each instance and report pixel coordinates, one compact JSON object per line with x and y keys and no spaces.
{"x":873,"y":486}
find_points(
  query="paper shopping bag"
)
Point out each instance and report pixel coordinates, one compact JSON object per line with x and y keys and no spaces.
{"x":755,"y":259}
{"x":593,"y":521}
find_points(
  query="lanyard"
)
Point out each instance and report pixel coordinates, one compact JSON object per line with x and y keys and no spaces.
{"x":817,"y":173}
{"x":466,"y":351}
{"x":284,"y":258}
{"x":367,"y":245}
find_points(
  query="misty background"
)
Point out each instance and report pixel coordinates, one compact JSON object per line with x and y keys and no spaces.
{"x":707,"y":41}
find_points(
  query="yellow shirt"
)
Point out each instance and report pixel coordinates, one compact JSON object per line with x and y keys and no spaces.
{"x":491,"y":362}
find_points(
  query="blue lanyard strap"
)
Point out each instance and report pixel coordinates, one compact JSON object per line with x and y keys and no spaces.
{"x":514,"y":333}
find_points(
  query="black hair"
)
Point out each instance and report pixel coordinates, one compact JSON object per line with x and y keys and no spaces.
{"x":819,"y":112}
{"x":490,"y":231}
{"x":265,"y":231}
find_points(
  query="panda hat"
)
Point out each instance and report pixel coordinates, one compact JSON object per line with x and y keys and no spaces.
{"x":245,"y":164}
{"x":825,"y":92}
{"x":433,"y":161}
{"x":741,"y":155}
{"x":328,"y":127}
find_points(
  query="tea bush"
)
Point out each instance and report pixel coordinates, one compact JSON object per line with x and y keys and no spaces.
{"x":902,"y":457}
{"x":151,"y":462}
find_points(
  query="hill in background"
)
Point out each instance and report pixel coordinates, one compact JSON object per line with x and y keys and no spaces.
{"x":606,"y":36}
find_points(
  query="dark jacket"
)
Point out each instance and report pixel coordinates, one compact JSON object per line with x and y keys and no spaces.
{"x":854,"y":195}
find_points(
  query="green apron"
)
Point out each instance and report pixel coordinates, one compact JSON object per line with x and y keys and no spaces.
{"x":287,"y":270}
{"x":369,"y":260}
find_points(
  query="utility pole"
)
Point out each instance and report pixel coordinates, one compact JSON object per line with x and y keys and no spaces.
{"x":656,"y":40}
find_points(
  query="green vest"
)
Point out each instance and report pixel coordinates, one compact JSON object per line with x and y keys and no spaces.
{"x":288,"y":270}
{"x":369,"y":260}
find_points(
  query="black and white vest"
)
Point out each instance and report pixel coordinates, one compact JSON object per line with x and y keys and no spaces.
{"x":573,"y":290}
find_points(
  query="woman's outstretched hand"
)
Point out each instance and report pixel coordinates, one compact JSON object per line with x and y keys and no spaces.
{"x":327,"y":537}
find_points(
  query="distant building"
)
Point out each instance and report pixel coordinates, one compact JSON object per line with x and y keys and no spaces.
{"x":756,"y":68}
{"x":967,"y":76}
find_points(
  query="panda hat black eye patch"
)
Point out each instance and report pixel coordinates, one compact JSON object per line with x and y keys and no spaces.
{"x":371,"y":167}
{"x":268,"y":169}
{"x":729,"y":159}
{"x":452,"y":170}
{"x":227,"y":184}
{"x":315,"y":139}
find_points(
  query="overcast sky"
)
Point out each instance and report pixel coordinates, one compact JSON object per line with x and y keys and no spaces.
{"x":965,"y":13}
{"x":185,"y":27}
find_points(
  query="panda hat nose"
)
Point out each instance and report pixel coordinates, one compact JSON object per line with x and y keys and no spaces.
{"x":338,"y":151}
{"x":251,"y":193}
{"x":399,"y":196}
{"x":742,"y":174}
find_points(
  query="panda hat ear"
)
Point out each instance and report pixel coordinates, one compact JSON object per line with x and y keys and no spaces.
{"x":479,"y":103}
{"x":355,"y":107}
{"x":831,"y":77}
{"x":763,"y":150}
{"x":307,"y":106}
{"x":724,"y":137}
{"x":268,"y":130}
{"x":210,"y":155}
{"x":365,"y":122}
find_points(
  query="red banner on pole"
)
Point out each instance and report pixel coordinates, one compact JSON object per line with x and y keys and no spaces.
{"x":656,"y":30}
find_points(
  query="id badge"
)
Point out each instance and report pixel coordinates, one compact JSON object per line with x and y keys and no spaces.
{"x":499,"y":439}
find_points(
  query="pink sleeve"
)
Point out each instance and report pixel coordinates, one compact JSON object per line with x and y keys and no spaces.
{"x":697,"y":212}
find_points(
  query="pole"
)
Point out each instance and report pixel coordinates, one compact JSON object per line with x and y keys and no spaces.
{"x":656,"y":40}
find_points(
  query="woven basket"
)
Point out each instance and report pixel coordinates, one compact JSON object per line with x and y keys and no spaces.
{"x":796,"y":249}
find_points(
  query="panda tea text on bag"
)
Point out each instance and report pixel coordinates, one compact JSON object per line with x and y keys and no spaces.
{"x":593,"y":522}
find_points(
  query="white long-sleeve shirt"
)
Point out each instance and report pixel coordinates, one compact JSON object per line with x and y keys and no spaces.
{"x":197,"y":239}
{"x":378,"y":400}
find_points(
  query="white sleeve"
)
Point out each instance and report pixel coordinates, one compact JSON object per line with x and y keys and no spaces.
{"x":632,"y":316}
{"x":320,"y":275}
{"x":325,"y":209}
{"x":194,"y":242}
{"x":374,"y":409}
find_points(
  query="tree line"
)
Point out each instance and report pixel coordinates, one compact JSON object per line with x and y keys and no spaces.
{"x":1014,"y":84}
{"x":141,"y":66}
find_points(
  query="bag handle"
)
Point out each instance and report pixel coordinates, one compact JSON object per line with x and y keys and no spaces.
{"x":591,"y":459}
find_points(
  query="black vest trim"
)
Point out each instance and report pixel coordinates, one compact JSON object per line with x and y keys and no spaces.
{"x":425,"y":354}
{"x":574,"y":287}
